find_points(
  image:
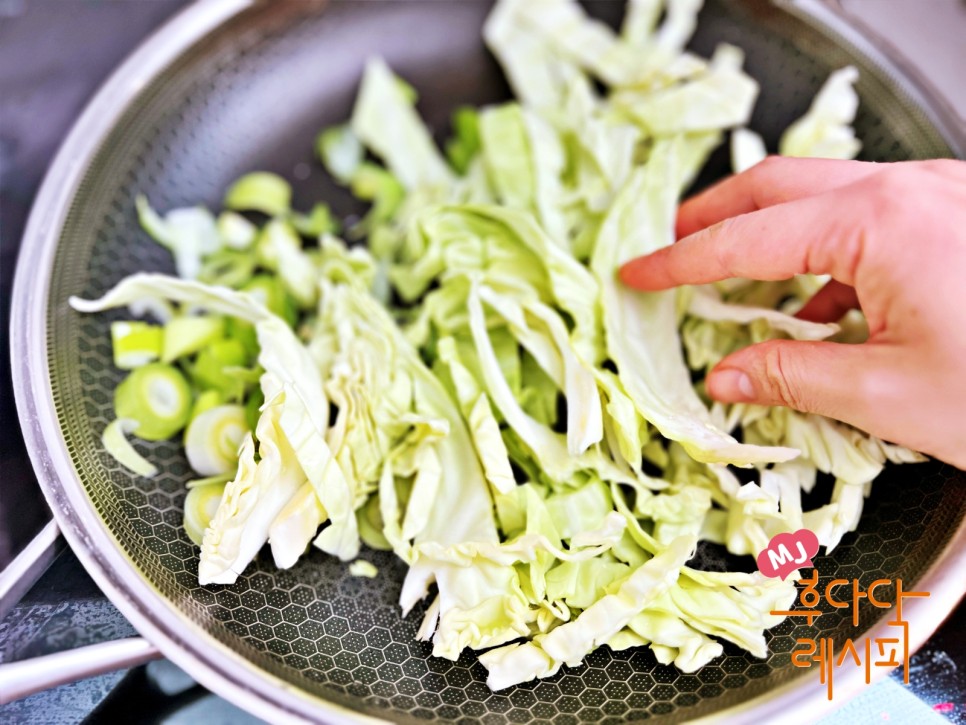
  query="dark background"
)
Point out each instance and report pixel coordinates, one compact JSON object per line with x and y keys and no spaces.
{"x":54,"y":54}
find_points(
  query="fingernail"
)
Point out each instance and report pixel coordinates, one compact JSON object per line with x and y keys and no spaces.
{"x":733,"y":386}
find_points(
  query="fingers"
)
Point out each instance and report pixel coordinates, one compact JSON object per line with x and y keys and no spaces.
{"x":766,"y":223}
{"x":808,"y":235}
{"x":830,"y":303}
{"x":814,"y":377}
{"x":773,"y":181}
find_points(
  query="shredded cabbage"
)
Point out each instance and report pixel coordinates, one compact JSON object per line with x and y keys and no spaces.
{"x":522,"y":430}
{"x":826,"y":131}
{"x":212,"y":439}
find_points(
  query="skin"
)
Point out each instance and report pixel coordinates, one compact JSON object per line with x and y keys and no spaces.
{"x":893,"y":238}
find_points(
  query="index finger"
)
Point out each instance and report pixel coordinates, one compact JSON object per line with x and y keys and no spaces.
{"x":778,"y":242}
{"x":775,"y":180}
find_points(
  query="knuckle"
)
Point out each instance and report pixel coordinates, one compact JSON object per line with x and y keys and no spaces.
{"x":883,"y":379}
{"x":778,"y":372}
{"x":942,"y":166}
{"x":943,"y":177}
{"x":768,"y":166}
{"x":722,"y":238}
{"x":762,"y":177}
{"x":874,"y":384}
{"x":844,"y":249}
{"x":891,"y":184}
{"x":848,"y":239}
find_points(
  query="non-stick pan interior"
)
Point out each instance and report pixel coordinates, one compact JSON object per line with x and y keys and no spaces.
{"x":252,"y":95}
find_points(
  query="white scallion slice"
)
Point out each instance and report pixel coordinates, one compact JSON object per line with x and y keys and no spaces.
{"x":157,"y":397}
{"x":116,"y":443}
{"x":213,"y":438}
{"x":200,"y":506}
{"x":235,"y":231}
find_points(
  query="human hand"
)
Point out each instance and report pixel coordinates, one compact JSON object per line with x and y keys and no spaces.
{"x":893,"y":238}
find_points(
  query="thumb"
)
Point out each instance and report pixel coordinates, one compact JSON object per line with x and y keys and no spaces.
{"x":814,"y":377}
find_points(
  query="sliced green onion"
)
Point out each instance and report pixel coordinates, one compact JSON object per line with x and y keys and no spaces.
{"x":235,"y":231}
{"x":243,"y":332}
{"x":210,"y":480}
{"x":253,"y":407}
{"x":361,"y":567}
{"x":200,"y":506}
{"x":185,"y":336}
{"x":382,"y":242}
{"x":189,"y":233}
{"x":150,"y":220}
{"x":246,"y":375}
{"x":209,"y":368}
{"x":135,"y":344}
{"x":266,"y":251}
{"x":373,"y":183}
{"x":213,"y":438}
{"x":116,"y":443}
{"x":465,"y":143}
{"x":260,"y":191}
{"x":228,"y":268}
{"x":269,"y":291}
{"x":317,"y":222}
{"x":206,"y":401}
{"x":279,"y":248}
{"x":341,"y":151}
{"x":157,"y":397}
{"x":371,"y":527}
{"x":407,"y":89}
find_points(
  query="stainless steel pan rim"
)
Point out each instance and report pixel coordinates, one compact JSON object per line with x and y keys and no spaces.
{"x":206,"y":660}
{"x":211,"y":663}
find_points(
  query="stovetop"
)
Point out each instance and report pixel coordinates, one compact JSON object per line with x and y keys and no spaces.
{"x":53,"y":56}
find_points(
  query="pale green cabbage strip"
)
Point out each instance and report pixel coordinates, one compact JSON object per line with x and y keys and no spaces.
{"x":475,"y":390}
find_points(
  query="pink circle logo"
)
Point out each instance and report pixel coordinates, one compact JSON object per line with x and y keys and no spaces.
{"x":787,"y":552}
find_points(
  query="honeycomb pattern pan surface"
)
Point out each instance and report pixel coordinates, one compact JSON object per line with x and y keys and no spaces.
{"x":312,"y":641}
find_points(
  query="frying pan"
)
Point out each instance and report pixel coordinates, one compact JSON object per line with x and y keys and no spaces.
{"x":228,"y":87}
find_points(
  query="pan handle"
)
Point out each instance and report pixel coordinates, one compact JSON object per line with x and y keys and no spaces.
{"x":23,"y":678}
{"x":19,"y":679}
{"x":21,"y":573}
